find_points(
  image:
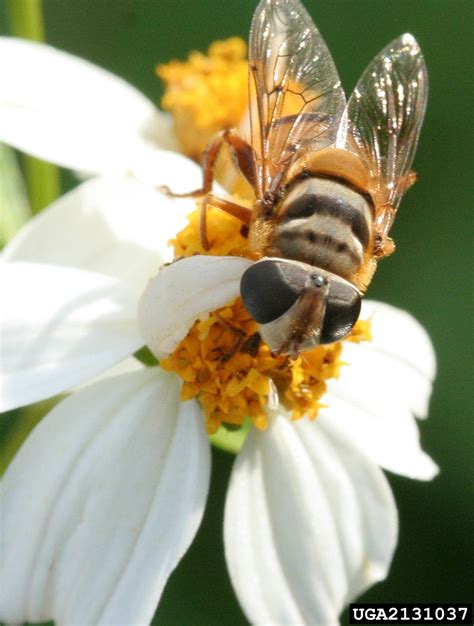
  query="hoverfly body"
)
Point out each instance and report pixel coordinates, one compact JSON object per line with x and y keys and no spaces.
{"x":327,"y":175}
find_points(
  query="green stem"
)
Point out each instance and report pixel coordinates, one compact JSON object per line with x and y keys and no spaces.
{"x":26,"y":19}
{"x":42,"y":179}
{"x":42,"y":183}
{"x":230,"y":440}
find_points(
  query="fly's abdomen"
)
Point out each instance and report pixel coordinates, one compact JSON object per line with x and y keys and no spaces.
{"x":324,"y":223}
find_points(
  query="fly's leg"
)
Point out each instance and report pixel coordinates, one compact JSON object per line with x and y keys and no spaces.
{"x":247,"y":345}
{"x":243,"y":154}
{"x":383,"y":244}
{"x":208,"y":163}
{"x":240,"y":338}
{"x":243,"y":213}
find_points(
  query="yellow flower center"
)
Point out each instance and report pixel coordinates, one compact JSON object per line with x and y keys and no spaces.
{"x":222,"y":360}
{"x":206,"y":94}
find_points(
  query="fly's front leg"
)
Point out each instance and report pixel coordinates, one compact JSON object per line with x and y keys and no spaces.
{"x":242,"y":153}
{"x":243,"y":213}
{"x":244,"y":156}
{"x":208,"y":163}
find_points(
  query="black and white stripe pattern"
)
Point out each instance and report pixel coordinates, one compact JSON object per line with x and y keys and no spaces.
{"x":324,"y":223}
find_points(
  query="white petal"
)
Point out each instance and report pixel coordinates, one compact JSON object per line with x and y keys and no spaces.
{"x":405,"y":348}
{"x":115,"y":226}
{"x":73,"y":113}
{"x":98,"y":506}
{"x":389,"y":436}
{"x":310,"y":523}
{"x":60,"y":327}
{"x":380,"y":390}
{"x":160,"y":167}
{"x":184,"y":292}
{"x":128,"y":365}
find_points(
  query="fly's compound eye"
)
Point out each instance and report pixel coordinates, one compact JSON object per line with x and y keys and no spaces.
{"x":270,"y":287}
{"x":342,"y":311}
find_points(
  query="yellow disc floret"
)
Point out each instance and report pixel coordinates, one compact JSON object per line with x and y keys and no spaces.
{"x":206,"y":93}
{"x":224,"y":363}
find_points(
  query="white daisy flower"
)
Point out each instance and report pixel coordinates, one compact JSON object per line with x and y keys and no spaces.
{"x":108,"y":491}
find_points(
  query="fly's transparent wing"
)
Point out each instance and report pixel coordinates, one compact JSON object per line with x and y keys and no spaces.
{"x":383,"y":121}
{"x":296,"y":99}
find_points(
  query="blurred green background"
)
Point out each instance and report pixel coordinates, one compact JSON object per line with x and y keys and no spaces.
{"x":430,"y":275}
